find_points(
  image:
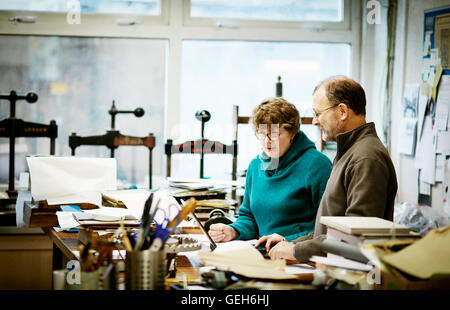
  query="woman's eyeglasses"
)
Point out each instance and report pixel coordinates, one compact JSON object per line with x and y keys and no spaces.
{"x":274,"y":135}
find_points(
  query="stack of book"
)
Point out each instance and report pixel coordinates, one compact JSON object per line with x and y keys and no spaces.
{"x":346,"y":234}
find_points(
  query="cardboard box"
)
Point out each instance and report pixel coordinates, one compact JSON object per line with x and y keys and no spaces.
{"x":399,"y":282}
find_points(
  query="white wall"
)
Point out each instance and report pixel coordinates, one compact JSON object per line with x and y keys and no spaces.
{"x":374,"y":66}
{"x":407,"y":70}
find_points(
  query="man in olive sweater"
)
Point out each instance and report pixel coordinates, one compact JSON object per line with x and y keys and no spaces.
{"x":363,"y":180}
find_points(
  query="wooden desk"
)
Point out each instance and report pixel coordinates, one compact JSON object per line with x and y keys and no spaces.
{"x":65,"y":248}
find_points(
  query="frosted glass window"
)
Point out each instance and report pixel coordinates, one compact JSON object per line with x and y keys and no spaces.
{"x":76,"y":80}
{"x":137,"y":7}
{"x":281,"y":10}
{"x":219,"y":74}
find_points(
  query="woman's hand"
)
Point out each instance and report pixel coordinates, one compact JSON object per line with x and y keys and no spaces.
{"x":270,"y":241}
{"x":222,"y":232}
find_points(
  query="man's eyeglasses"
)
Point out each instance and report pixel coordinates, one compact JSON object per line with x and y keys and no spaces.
{"x":317,"y":114}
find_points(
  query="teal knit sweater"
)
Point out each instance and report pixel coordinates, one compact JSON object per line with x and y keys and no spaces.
{"x":285,"y":199}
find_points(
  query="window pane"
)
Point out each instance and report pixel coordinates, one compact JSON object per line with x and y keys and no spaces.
{"x":138,"y":7}
{"x":219,"y":74}
{"x":281,"y":10}
{"x":76,"y":80}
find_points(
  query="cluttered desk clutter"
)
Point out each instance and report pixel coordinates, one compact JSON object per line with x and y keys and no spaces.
{"x":82,"y":232}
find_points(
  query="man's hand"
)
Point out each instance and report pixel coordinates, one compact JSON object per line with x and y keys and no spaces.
{"x":222,"y":233}
{"x":270,"y":241}
{"x":283,"y":250}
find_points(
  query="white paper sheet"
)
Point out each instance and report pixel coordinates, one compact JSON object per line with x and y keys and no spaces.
{"x":299,"y":269}
{"x":423,"y":101}
{"x":446,"y":195}
{"x":440,"y":166}
{"x":111,"y":214}
{"x":341,"y":262}
{"x":443,"y":103}
{"x":443,"y":142}
{"x":204,"y":181}
{"x":410,"y":100}
{"x":134,"y":199}
{"x":23,"y":195}
{"x":66,"y":220}
{"x":426,"y":153}
{"x":407,"y":136}
{"x":71,"y":179}
{"x":424,"y":188}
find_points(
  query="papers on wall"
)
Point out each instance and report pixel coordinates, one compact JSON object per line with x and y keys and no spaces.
{"x":411,"y":100}
{"x":442,"y":38}
{"x":443,"y":103}
{"x":436,"y":80}
{"x":443,"y":143}
{"x":426,"y":153}
{"x":446,"y":195}
{"x":427,"y":43}
{"x":408,"y":136}
{"x":61,"y":180}
{"x":424,"y":188}
{"x":440,"y":168}
{"x":408,"y":123}
{"x":423,"y":101}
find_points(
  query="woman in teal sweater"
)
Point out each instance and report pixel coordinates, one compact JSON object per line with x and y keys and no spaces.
{"x":284,"y":184}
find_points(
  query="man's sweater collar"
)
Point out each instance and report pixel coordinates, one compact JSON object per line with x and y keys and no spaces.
{"x":347,"y":139}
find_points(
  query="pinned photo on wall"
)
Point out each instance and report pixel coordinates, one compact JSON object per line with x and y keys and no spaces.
{"x":407,"y":142}
{"x":411,"y":100}
{"x":408,"y":124}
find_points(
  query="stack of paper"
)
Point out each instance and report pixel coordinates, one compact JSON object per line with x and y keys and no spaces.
{"x":71,"y":180}
{"x":360,"y":225}
{"x":191,"y":186}
{"x":203,"y":182}
{"x":347,"y":234}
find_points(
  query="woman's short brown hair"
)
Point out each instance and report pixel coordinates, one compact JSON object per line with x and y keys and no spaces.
{"x":279,"y":111}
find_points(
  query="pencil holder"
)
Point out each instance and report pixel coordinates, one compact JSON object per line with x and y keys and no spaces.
{"x":88,"y":281}
{"x":145,"y":270}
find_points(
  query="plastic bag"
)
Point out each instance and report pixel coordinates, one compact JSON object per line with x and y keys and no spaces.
{"x":419,"y":218}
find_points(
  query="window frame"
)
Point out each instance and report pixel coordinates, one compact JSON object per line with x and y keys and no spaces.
{"x":234,"y":23}
{"x":44,"y":20}
{"x":172,"y":26}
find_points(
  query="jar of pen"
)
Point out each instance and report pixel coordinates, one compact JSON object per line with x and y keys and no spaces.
{"x":96,"y":269}
{"x":145,"y":251}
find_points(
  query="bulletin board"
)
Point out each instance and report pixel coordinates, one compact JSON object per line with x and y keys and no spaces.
{"x":436,"y":37}
{"x":433,"y":104}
